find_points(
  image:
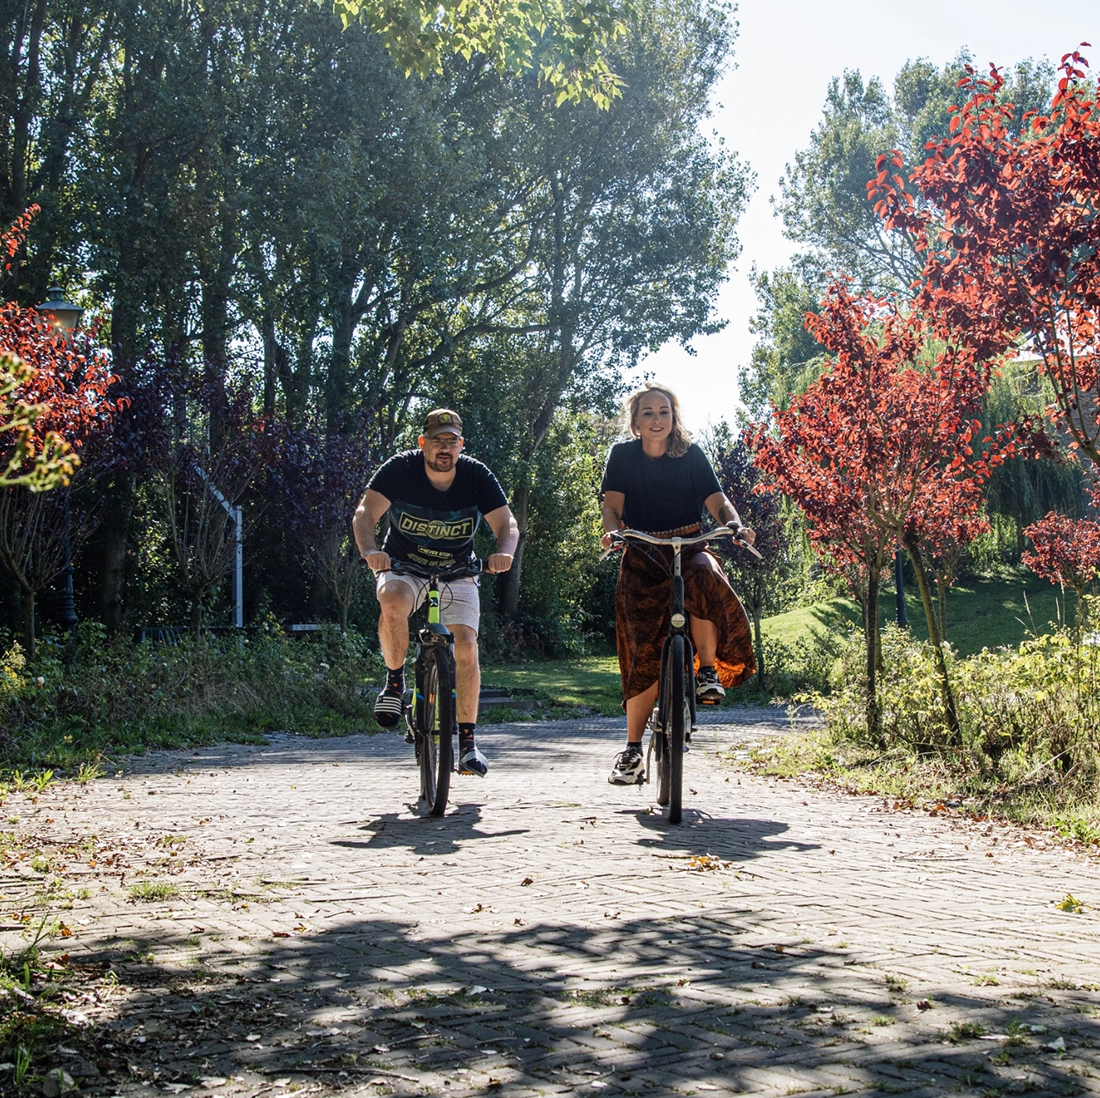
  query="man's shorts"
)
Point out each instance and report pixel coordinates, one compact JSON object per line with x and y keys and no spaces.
{"x":459,"y":599}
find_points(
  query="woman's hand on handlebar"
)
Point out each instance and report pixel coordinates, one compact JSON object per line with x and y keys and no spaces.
{"x":499,"y":562}
{"x":747,"y":535}
{"x":610,"y":542}
{"x":377,"y":561}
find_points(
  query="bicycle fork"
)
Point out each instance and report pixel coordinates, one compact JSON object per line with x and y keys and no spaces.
{"x":435,"y":633}
{"x":678,"y":627}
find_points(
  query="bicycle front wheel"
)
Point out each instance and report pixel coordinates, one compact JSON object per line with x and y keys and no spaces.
{"x":436,"y":729}
{"x":674,"y":725}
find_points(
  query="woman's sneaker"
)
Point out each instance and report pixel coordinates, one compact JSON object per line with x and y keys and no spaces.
{"x":708,"y":689}
{"x":629,"y":768}
{"x":389,"y":707}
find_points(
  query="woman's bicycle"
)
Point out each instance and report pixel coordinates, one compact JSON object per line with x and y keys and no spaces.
{"x":431,"y":719}
{"x":674,"y":715}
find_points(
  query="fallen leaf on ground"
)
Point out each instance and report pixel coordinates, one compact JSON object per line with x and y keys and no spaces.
{"x":701,"y":863}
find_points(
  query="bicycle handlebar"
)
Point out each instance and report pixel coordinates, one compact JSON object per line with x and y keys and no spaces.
{"x":677,"y":543}
{"x":459,"y":571}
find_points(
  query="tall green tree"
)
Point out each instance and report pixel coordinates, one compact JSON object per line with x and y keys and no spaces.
{"x":636,"y":214}
{"x":564,"y":41}
{"x":53,"y":56}
{"x":823,"y":193}
{"x":786,"y":357}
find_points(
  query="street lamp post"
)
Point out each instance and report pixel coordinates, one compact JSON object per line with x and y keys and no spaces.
{"x":62,"y":314}
{"x":65,"y":317}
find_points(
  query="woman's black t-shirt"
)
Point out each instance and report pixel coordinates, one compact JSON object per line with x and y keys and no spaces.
{"x":664,"y":493}
{"x":429,"y":527}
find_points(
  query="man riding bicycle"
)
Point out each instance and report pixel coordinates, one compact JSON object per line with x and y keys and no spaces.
{"x":435,"y":497}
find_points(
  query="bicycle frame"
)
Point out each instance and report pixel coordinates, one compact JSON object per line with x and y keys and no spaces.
{"x":431,"y":722}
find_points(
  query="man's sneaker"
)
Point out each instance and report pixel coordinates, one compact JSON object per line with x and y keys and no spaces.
{"x":629,"y":768}
{"x":707,"y":687}
{"x":473,"y":762}
{"x":388,"y":707}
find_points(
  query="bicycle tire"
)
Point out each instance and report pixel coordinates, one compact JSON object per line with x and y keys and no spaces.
{"x":436,"y":728}
{"x":674,"y":723}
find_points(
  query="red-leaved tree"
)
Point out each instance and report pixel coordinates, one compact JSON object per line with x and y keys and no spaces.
{"x":882,"y":449}
{"x":66,"y":381}
{"x":1009,"y":226}
{"x":1065,"y":551}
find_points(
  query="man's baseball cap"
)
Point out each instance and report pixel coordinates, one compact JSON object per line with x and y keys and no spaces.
{"x":442,"y":421}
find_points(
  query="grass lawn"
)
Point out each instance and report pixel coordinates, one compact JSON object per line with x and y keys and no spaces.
{"x":592,"y":681}
{"x":982,"y":613}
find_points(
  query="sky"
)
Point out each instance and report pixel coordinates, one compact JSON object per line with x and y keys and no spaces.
{"x":768,"y":104}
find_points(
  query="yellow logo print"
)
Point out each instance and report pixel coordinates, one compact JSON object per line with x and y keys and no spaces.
{"x":436,"y":529}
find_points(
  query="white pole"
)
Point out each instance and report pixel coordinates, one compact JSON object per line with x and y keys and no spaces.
{"x":238,"y":566}
{"x":234,"y":513}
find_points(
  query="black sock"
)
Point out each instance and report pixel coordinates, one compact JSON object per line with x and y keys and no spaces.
{"x":395,"y":679}
{"x":466,"y":737}
{"x":634,"y":746}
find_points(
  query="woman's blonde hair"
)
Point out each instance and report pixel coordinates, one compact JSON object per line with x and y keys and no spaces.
{"x":678,"y":440}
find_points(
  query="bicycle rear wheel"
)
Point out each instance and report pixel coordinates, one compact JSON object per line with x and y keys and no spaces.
{"x":674,"y":725}
{"x":436,"y":728}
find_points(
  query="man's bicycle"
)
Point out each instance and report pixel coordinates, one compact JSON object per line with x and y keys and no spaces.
{"x":431,"y":719}
{"x":674,"y":715}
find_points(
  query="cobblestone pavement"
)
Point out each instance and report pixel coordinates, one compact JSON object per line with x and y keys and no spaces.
{"x":275,"y":919}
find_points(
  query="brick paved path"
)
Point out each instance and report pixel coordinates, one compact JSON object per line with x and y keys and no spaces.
{"x":553,"y":935}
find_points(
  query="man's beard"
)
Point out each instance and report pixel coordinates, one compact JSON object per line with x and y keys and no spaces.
{"x":433,"y":463}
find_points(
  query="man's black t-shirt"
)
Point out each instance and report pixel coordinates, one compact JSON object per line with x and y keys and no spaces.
{"x":428,"y":527}
{"x":664,"y":493}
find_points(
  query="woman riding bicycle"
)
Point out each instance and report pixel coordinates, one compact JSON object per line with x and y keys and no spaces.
{"x":659,"y":482}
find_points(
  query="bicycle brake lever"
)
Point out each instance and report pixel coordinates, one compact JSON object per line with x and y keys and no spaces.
{"x":751,"y":548}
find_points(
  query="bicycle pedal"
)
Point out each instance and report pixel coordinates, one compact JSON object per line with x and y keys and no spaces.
{"x":708,"y":701}
{"x":409,"y":737}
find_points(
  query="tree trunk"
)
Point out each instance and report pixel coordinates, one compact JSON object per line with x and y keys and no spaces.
{"x":941,"y":605}
{"x":196,"y":617}
{"x":30,"y":643}
{"x":337,"y":379}
{"x":119,"y":507}
{"x":271,"y":360}
{"x":870,"y":634}
{"x":935,"y":640}
{"x":521,"y":499}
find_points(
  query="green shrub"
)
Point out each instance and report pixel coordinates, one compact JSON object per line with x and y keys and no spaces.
{"x":124,"y":696}
{"x":792,"y":668}
{"x":1029,"y":716}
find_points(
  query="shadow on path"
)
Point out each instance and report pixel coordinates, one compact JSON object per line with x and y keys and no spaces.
{"x":642,"y":1006}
